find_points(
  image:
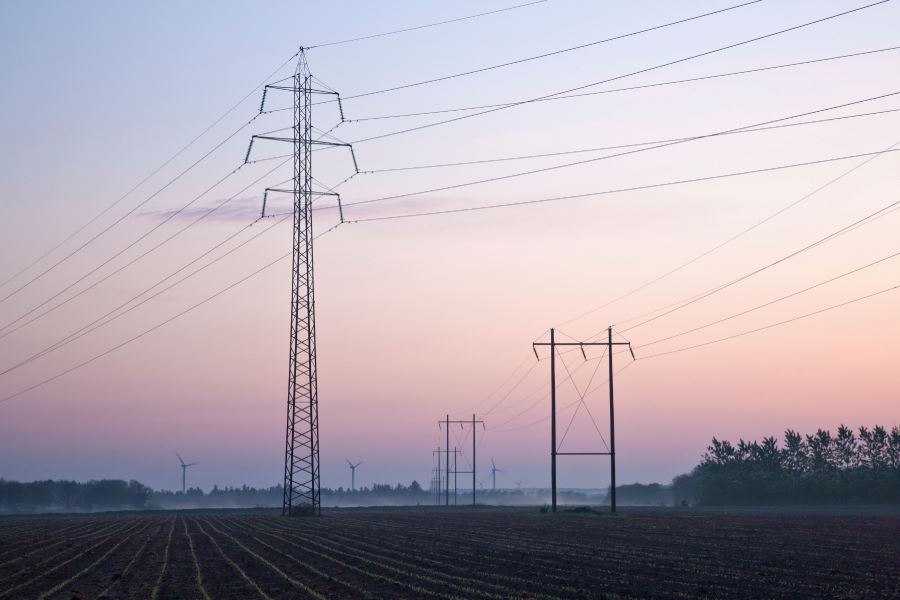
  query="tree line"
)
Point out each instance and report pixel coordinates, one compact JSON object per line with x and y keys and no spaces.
{"x":39,"y":496}
{"x":115,"y":494}
{"x":850,"y":467}
{"x":861,"y":467}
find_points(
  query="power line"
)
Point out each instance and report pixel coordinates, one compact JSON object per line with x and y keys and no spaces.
{"x":623,"y":76}
{"x":168,"y":218}
{"x":130,"y":212}
{"x":502,"y":385}
{"x":618,"y":154}
{"x":157,"y":326}
{"x":771,"y":325}
{"x":602,"y":385}
{"x":775,"y":301}
{"x":618,"y":146}
{"x":581,"y":403}
{"x":90,"y":327}
{"x":545,"y":396}
{"x":734,"y":237}
{"x":154,"y":172}
{"x":561,"y":410}
{"x":497,"y":404}
{"x":618,"y":190}
{"x":626,"y":89}
{"x":417,"y":27}
{"x":859,"y":222}
{"x":547,"y":54}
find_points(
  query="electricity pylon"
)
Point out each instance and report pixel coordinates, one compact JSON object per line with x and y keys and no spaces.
{"x":301,"y":455}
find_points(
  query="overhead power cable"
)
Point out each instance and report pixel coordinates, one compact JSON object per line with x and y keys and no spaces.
{"x":111,"y":315}
{"x":834,"y":234}
{"x":501,"y":386}
{"x":131,"y":212}
{"x":152,"y":173}
{"x":617,"y":190}
{"x":617,"y":146}
{"x":5,"y":329}
{"x":732,"y":238}
{"x":559,"y":411}
{"x":425,"y":26}
{"x":546,"y":395}
{"x":625,"y":75}
{"x":515,"y":386}
{"x":624,"y":89}
{"x":169,"y":217}
{"x":581,"y":403}
{"x":772,"y":302}
{"x":618,"y":154}
{"x":778,"y":323}
{"x":549,"y":54}
{"x":158,"y":325}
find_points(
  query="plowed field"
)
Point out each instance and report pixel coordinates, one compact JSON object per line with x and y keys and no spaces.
{"x":482,"y":553}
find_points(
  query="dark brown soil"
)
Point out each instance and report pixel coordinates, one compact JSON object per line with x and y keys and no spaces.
{"x":481,"y":553}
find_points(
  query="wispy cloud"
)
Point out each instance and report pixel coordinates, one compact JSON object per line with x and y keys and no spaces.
{"x":237,"y":210}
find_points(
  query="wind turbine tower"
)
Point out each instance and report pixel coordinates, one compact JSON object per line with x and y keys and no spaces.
{"x":353,"y":474}
{"x":184,"y":467}
{"x":494,"y":471}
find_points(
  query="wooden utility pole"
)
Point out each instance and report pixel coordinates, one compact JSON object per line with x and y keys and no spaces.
{"x":554,"y":451}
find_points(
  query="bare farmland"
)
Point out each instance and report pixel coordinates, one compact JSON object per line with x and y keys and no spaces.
{"x":482,"y":553}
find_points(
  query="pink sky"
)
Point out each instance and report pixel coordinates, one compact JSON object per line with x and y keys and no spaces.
{"x":422,"y":317}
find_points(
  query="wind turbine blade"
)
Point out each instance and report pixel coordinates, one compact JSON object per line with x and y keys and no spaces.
{"x":181,"y":460}
{"x":192,"y":464}
{"x":348,"y":462}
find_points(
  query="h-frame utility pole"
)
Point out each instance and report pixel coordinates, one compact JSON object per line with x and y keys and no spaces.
{"x":554,"y":451}
{"x":447,"y":422}
{"x":441,"y":472}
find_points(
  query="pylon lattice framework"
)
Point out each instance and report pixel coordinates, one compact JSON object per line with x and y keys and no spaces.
{"x":301,"y":460}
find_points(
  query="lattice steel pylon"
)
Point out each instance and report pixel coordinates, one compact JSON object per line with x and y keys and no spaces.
{"x":301,"y":448}
{"x":301,"y":455}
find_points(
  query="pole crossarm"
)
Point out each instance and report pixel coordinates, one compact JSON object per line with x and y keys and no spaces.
{"x":275,"y":138}
{"x":287,"y":88}
{"x":295,"y":89}
{"x":340,"y":205}
{"x":283,"y":191}
{"x":584,"y":453}
{"x":305,"y":142}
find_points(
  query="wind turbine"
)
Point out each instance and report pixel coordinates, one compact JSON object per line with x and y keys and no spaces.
{"x":353,"y":474}
{"x":184,"y":467}
{"x":494,"y":471}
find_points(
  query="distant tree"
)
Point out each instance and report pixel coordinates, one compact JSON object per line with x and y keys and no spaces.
{"x":817,"y":468}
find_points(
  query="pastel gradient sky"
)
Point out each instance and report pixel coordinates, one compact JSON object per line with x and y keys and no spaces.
{"x":424,"y":316}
